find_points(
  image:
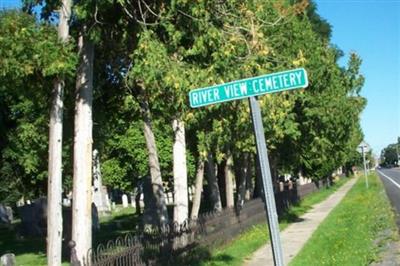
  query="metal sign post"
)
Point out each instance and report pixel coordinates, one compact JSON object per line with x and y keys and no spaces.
{"x":249,"y":88}
{"x":269,"y":198}
{"x":365,"y":166}
{"x":363,"y":148}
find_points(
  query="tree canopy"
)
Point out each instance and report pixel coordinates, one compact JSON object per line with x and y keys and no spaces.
{"x":156,"y":52}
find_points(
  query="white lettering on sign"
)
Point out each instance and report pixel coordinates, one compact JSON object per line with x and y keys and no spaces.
{"x":270,"y":83}
{"x":243,"y":88}
{"x":205,"y":96}
{"x":235,"y":90}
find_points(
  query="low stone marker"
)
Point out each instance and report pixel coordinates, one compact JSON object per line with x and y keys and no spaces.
{"x":6,"y":214}
{"x":125,"y":203}
{"x":8,"y":260}
{"x":34,"y":218}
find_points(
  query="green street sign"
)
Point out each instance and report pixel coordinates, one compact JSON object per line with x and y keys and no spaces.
{"x":239,"y":89}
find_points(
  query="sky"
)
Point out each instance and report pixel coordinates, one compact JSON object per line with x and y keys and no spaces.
{"x":372,"y":30}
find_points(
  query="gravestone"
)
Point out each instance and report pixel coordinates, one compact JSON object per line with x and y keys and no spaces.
{"x":66,"y":202}
{"x":8,"y":260}
{"x":20,"y":202}
{"x":100,"y":196}
{"x":132,"y":197}
{"x":125,"y":203}
{"x":34,"y":218}
{"x":6,"y":214}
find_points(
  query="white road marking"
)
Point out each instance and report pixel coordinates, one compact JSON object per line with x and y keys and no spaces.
{"x":390,"y":179}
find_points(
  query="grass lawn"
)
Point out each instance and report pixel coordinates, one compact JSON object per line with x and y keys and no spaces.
{"x":243,"y":246}
{"x":348,"y":236}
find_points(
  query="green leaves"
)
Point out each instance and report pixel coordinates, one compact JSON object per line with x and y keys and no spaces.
{"x":28,"y":48}
{"x":186,"y":45}
{"x":30,"y":58}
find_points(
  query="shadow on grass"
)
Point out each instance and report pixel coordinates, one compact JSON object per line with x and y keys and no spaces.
{"x":114,"y":227}
{"x":198,"y":256}
{"x":10,"y":242}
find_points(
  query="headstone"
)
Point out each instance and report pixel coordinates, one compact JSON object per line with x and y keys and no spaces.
{"x":8,"y":260}
{"x":133,"y":204}
{"x":6,"y":214}
{"x":301,"y":180}
{"x":20,"y":202}
{"x":95,"y":218}
{"x":170,"y":198}
{"x":100,"y":196}
{"x":34,"y":218}
{"x":125,"y":203}
{"x":191,"y":189}
{"x":66,"y":202}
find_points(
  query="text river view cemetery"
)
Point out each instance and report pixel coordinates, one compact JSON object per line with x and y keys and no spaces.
{"x":269,"y":83}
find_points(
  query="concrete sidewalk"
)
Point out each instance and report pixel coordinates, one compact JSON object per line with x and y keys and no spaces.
{"x":297,"y":234}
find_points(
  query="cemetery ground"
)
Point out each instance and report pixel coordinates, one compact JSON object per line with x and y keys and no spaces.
{"x":31,"y":251}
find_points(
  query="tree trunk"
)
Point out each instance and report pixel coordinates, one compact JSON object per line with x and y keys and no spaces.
{"x":242,"y":182}
{"x":160,"y":211}
{"x":229,"y":176}
{"x":249,"y":179}
{"x":213,"y":184}
{"x":54,"y":187}
{"x":258,"y":191}
{"x":198,"y":188}
{"x":82,"y":183}
{"x":181,"y":202}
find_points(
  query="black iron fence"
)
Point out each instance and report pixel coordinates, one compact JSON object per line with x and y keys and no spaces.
{"x":171,"y":243}
{"x":174,"y":244}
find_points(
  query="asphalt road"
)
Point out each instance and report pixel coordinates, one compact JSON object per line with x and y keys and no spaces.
{"x":391,"y":182}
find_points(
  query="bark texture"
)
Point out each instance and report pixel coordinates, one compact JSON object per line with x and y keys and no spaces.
{"x":198,"y":189}
{"x":229,"y":176}
{"x":181,"y":202}
{"x":54,"y":187}
{"x":215,"y":196}
{"x":82,"y":183}
{"x":241,"y":187}
{"x":158,"y":196}
{"x":249,"y":179}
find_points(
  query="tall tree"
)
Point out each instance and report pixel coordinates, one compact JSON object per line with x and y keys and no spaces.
{"x":215,"y":196}
{"x":181,"y":207}
{"x":31,"y":57}
{"x":82,"y":183}
{"x":157,"y":187}
{"x":54,"y":187}
{"x":229,"y":179}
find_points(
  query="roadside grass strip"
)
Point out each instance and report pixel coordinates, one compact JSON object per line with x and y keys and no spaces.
{"x":350,"y":234}
{"x":235,"y":252}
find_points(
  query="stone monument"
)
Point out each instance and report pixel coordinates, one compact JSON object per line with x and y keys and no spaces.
{"x":100,"y":196}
